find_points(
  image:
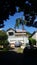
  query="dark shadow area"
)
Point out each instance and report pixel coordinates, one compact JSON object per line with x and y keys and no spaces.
{"x":28,"y":57}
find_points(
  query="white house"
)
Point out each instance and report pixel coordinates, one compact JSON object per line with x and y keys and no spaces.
{"x":34,"y":36}
{"x":17,"y":35}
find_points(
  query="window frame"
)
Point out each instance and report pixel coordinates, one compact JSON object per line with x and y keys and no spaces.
{"x":11,"y":33}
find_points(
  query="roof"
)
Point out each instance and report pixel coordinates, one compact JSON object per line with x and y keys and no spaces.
{"x":11,"y":29}
{"x":20,"y":31}
{"x":33,"y":33}
{"x":17,"y":31}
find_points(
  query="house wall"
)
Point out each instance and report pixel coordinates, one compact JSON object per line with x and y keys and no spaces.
{"x":35,"y":36}
{"x":13,"y":39}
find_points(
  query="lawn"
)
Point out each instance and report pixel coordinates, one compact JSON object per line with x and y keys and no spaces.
{"x":19,"y":50}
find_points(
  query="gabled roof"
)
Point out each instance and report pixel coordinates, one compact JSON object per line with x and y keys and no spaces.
{"x":11,"y":29}
{"x":17,"y":31}
{"x":33,"y":33}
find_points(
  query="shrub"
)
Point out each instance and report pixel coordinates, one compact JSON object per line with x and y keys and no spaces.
{"x":32,"y":41}
{"x":3,"y":39}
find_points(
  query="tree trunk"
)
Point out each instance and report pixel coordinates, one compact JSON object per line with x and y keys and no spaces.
{"x":23,"y":31}
{"x":22,"y":26}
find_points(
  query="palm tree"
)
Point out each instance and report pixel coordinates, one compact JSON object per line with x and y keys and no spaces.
{"x":19,"y":21}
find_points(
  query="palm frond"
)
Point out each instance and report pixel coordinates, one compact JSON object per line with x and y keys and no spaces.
{"x":20,"y":21}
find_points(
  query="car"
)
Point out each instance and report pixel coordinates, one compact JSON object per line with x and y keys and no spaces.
{"x":18,"y":44}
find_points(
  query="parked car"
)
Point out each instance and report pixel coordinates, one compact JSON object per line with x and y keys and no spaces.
{"x":18,"y":44}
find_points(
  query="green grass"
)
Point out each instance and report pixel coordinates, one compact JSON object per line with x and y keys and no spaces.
{"x":19,"y":50}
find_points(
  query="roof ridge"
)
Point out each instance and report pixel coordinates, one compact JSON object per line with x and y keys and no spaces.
{"x":10,"y":28}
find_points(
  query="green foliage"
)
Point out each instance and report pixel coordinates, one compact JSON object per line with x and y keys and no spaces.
{"x":5,"y":49}
{"x":3,"y":39}
{"x":3,"y":35}
{"x":32,"y":41}
{"x":19,"y":21}
{"x":19,"y":50}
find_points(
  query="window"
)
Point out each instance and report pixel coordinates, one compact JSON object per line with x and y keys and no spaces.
{"x":11,"y":33}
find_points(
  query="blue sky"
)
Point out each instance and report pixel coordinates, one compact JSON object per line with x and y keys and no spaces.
{"x":11,"y":22}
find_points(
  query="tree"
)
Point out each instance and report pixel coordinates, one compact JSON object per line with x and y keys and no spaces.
{"x":8,"y":7}
{"x":3,"y":39}
{"x":19,"y":21}
{"x":32,"y":41}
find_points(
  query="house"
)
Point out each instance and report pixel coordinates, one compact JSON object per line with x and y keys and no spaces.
{"x":34,"y":36}
{"x":17,"y":35}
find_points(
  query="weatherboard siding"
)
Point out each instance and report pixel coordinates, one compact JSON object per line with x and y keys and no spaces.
{"x":14,"y":39}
